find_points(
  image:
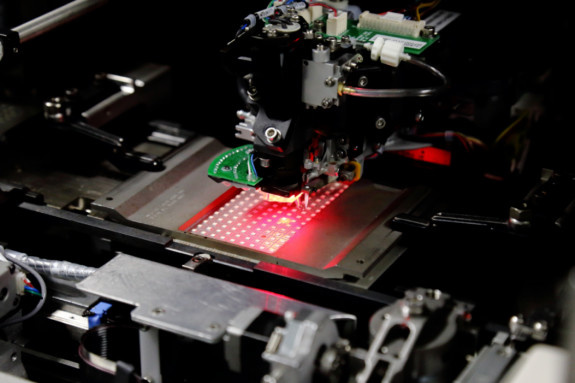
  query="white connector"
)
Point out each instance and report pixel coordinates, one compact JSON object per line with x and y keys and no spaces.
{"x":306,"y":15}
{"x":336,"y":25}
{"x":376,"y":48}
{"x":311,"y":14}
{"x":19,"y":278}
{"x":315,"y":12}
{"x":389,"y":52}
{"x":391,"y":23}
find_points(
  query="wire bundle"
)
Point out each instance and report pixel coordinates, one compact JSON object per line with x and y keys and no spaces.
{"x":42,"y":293}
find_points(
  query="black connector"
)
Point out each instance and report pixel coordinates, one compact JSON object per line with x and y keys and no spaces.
{"x":9,"y":44}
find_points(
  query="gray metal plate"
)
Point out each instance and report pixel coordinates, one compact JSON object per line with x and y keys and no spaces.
{"x":182,"y":302}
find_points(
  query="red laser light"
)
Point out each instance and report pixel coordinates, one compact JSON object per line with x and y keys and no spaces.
{"x":252,"y":221}
{"x":429,"y":154}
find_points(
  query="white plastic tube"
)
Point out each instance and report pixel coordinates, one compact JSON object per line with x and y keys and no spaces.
{"x":58,"y":269}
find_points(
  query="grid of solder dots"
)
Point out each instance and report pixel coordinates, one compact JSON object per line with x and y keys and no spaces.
{"x":250,"y":221}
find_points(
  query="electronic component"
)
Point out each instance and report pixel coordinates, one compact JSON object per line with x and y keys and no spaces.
{"x":391,"y":22}
{"x":336,"y":25}
{"x":297,"y":85}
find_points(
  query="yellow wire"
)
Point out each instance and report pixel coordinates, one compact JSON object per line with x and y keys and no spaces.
{"x":510,"y":127}
{"x":424,"y":5}
{"x":473,"y":140}
{"x":357,"y":170}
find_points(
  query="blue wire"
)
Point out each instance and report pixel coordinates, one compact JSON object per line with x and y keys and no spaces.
{"x":253,"y":165}
{"x":31,"y":289}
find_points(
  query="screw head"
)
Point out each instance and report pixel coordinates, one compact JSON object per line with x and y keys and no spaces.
{"x":214,"y":326}
{"x":380,"y":123}
{"x":270,"y":31}
{"x":340,"y":153}
{"x":327,"y":103}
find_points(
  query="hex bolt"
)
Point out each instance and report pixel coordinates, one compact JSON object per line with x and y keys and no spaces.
{"x":327,"y":103}
{"x":330,"y":81}
{"x":273,"y":135}
{"x":332,"y":43}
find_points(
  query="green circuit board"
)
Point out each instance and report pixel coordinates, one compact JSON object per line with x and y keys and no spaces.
{"x":236,"y":166}
{"x":413,"y":45}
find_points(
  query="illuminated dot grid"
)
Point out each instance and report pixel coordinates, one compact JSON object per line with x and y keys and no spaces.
{"x":248,"y":220}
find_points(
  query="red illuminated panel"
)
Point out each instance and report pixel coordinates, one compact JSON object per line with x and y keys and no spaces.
{"x":250,"y":220}
{"x":428,"y":154}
